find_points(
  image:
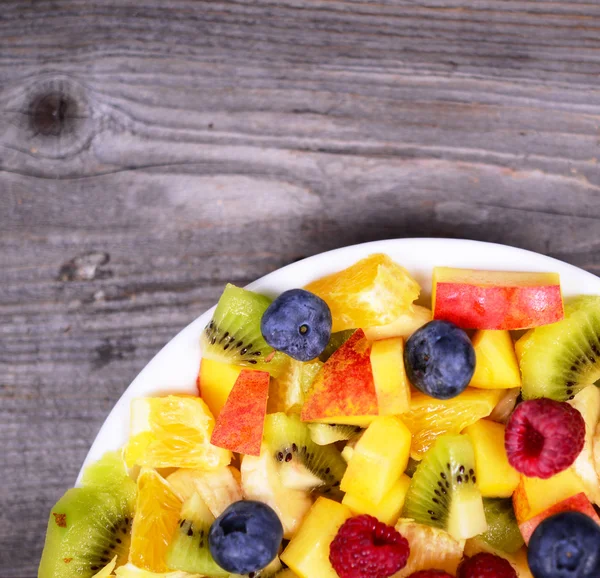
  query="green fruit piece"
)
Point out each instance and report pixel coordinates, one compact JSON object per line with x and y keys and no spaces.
{"x":188,"y":550}
{"x":301,"y":463}
{"x":443,"y":492}
{"x":233,"y":334}
{"x":560,"y":359}
{"x":336,"y":340}
{"x":503,"y":531}
{"x":90,"y":525}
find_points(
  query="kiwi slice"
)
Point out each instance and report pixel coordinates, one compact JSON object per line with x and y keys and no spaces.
{"x":302,"y":464}
{"x":503,"y":531}
{"x":324,"y":434}
{"x":275,"y":568}
{"x":233,"y":334}
{"x":559,"y":360}
{"x":188,"y":550}
{"x":90,"y":525}
{"x":336,"y":340}
{"x":443,"y":491}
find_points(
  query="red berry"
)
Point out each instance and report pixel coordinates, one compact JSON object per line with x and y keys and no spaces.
{"x":431,"y":574}
{"x":485,"y":565}
{"x":364,"y":547}
{"x":544,"y":437}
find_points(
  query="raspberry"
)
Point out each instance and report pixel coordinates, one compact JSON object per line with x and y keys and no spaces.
{"x":364,"y":547}
{"x":485,"y":565}
{"x":431,"y":574}
{"x":544,"y":437}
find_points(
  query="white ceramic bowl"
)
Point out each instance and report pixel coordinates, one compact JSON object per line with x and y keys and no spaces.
{"x":174,"y":368}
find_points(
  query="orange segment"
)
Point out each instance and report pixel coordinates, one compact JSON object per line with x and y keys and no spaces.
{"x":429,"y":418}
{"x":173,"y":432}
{"x":374,"y":291}
{"x":156,"y":517}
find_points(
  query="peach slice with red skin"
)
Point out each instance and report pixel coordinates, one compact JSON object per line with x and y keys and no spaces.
{"x":240,"y":424}
{"x":344,"y":391}
{"x":577,"y":503}
{"x":496,"y":299}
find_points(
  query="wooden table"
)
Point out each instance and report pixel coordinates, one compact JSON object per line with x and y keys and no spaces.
{"x":151,"y":151}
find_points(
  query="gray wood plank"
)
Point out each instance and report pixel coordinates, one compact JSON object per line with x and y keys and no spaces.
{"x":150,"y":152}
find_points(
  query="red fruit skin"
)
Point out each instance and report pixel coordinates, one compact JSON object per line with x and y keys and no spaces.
{"x":544,"y":437}
{"x":364,"y":547}
{"x":344,"y":386}
{"x":576,"y":503}
{"x":240,"y":424}
{"x":431,"y":574}
{"x":485,"y":565}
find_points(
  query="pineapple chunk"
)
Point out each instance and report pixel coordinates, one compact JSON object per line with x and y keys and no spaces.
{"x":388,"y":509}
{"x":496,"y":478}
{"x":496,"y":362}
{"x":391,"y":384}
{"x":403,"y":326}
{"x":380,"y":457}
{"x":307,"y":554}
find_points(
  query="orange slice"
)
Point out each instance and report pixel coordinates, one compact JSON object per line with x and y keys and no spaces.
{"x":156,"y":517}
{"x":173,"y":432}
{"x":374,"y":291}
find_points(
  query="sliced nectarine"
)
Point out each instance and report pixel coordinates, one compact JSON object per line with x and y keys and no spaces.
{"x":496,"y":299}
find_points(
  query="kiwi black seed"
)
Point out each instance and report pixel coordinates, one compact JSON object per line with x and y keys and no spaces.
{"x":443,"y":490}
{"x":188,"y":550}
{"x":292,"y":448}
{"x":560,"y":359}
{"x":233,"y":334}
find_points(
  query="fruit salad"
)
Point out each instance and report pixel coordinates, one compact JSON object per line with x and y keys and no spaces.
{"x":351,"y":429}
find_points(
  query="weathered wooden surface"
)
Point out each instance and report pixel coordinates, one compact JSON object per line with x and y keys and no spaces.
{"x":151,"y":151}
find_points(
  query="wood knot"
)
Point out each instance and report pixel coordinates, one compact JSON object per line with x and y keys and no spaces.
{"x":54,"y":113}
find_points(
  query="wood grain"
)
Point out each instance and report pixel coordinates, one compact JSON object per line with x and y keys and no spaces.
{"x":151,"y":151}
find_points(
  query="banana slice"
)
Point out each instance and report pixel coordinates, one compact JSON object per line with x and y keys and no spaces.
{"x":261,"y":481}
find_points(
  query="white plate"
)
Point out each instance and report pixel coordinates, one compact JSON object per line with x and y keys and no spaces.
{"x":174,"y":368}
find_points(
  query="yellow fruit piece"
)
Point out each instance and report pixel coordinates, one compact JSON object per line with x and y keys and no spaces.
{"x":286,"y":392}
{"x":534,"y":495}
{"x":388,"y":509}
{"x":496,"y":364}
{"x":523,"y":343}
{"x":130,"y":571}
{"x":496,"y":478}
{"x":107,"y":570}
{"x":379,"y":458}
{"x":173,"y":432}
{"x":374,"y":291}
{"x":391,"y":384}
{"x":217,"y":488}
{"x":156,"y":516}
{"x":429,"y":548}
{"x":307,"y":554}
{"x":404,"y":326}
{"x":215,"y":382}
{"x":429,"y":418}
{"x":518,"y":559}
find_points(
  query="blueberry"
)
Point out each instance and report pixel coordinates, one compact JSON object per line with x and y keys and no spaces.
{"x":439,"y":359}
{"x":566,"y":545}
{"x":245,"y":537}
{"x":297,"y":323}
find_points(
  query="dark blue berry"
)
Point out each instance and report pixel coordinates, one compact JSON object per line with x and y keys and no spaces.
{"x":297,"y":323}
{"x":439,"y":359}
{"x":566,"y":545}
{"x":245,"y":537}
